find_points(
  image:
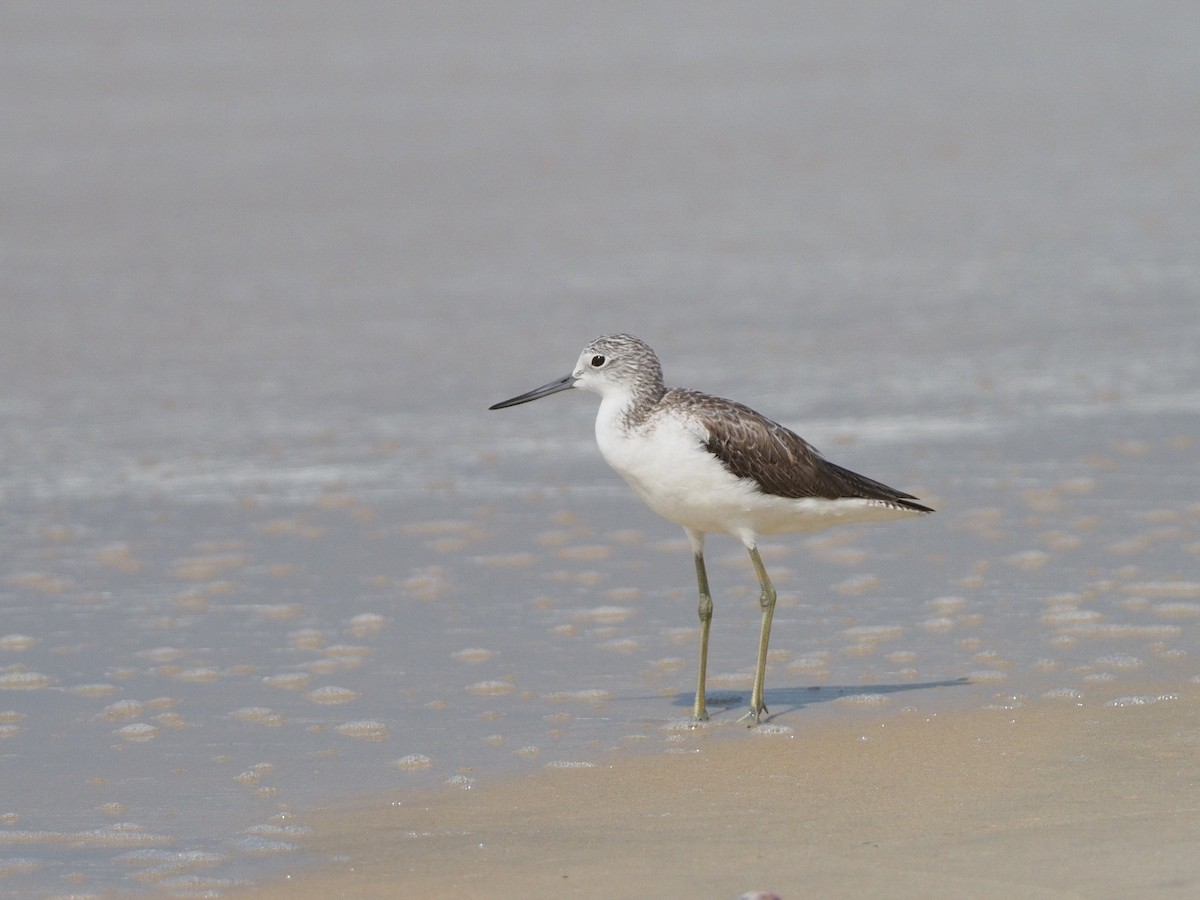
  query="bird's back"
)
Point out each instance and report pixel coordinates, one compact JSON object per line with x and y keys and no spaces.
{"x":776,"y":459}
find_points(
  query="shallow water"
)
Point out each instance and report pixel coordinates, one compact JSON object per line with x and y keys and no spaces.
{"x":265,"y":548}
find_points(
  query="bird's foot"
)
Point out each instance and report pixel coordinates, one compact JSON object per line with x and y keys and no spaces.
{"x":753,"y":715}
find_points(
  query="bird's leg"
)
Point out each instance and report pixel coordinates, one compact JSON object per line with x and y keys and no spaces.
{"x":767,"y":601}
{"x":699,"y":712}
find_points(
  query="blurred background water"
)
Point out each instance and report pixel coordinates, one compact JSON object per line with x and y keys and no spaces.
{"x":263,"y":267}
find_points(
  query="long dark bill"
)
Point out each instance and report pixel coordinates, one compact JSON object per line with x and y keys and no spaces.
{"x":560,"y":384}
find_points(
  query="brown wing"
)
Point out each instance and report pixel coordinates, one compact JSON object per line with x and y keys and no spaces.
{"x":780,"y":461}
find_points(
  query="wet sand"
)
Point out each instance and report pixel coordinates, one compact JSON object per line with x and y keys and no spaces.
{"x":1061,"y":799}
{"x":265,"y":549}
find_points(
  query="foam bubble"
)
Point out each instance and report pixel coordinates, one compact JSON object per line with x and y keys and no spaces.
{"x":1029,"y":560}
{"x":258,"y":715}
{"x":288,"y":681}
{"x":946,"y":606}
{"x":473,"y":655}
{"x":365,"y":624}
{"x":349,"y":651}
{"x":413,"y":761}
{"x":1119,"y":661}
{"x":1063,"y":693}
{"x":122,"y":709}
{"x":138,"y":732}
{"x":180,"y":859}
{"x":254,"y":845}
{"x":621,"y":645}
{"x":870,"y":634}
{"x":1143,"y":700}
{"x":307,"y":639}
{"x":17,"y":865}
{"x":119,"y":834}
{"x":490,"y":688}
{"x":24,"y":681}
{"x":606,"y":615}
{"x":290,"y":832}
{"x":332,"y":694}
{"x":364,"y":730}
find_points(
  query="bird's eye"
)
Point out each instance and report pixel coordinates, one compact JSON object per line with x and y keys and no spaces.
{"x":598,"y":361}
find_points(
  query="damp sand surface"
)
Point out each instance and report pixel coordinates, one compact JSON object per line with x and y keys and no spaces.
{"x":1063,"y":799}
{"x":264,"y":550}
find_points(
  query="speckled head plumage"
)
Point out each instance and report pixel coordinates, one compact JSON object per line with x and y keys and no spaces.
{"x":620,"y":364}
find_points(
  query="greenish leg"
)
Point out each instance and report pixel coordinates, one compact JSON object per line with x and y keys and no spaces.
{"x":699,"y":711}
{"x":767,"y":601}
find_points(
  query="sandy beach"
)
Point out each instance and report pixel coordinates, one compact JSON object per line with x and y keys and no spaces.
{"x":1063,"y":799}
{"x":280,"y":595}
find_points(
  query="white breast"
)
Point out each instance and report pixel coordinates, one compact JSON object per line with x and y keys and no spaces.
{"x":666,"y":463}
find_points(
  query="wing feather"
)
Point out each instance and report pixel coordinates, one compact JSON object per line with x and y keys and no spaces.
{"x":777,"y":459}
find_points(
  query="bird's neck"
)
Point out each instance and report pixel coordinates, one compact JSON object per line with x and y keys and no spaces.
{"x":624,"y":411}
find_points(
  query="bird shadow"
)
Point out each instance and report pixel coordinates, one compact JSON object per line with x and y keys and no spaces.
{"x":791,"y":699}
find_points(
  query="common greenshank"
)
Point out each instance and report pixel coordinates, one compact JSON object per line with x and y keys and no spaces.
{"x":710,"y":464}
